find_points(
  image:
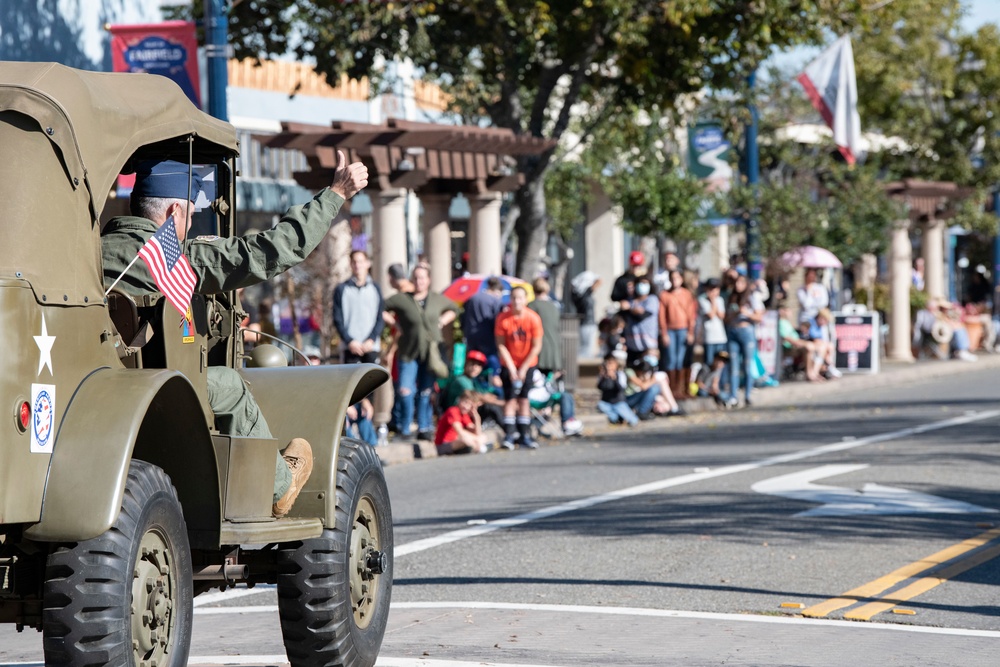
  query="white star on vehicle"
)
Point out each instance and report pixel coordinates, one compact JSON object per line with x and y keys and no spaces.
{"x":44,"y":343}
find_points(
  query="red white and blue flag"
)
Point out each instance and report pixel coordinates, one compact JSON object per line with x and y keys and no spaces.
{"x":832,"y":88}
{"x":171,"y":271}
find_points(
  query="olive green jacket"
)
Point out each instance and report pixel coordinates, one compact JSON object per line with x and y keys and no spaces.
{"x":222,"y":264}
{"x":418,"y":327}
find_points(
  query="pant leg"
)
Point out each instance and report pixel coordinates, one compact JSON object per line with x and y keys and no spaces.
{"x":642,"y":402}
{"x":734,"y":347}
{"x":626,"y":414}
{"x":749,"y":345}
{"x":406,"y":395}
{"x":237,"y":413}
{"x":425,"y":387}
{"x":567,"y":407}
{"x":608,"y":409}
{"x":366,"y":431}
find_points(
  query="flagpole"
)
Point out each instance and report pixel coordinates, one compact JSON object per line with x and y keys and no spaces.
{"x":121,"y":276}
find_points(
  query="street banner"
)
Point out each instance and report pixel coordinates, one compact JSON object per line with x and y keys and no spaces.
{"x":856,"y":337}
{"x":832,"y":88}
{"x":708,"y":160}
{"x":169,"y":49}
{"x":768,"y":344}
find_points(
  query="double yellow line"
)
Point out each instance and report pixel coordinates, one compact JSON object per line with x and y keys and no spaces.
{"x":928,"y":572}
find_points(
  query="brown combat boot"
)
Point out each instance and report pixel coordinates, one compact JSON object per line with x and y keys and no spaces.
{"x":299,"y":457}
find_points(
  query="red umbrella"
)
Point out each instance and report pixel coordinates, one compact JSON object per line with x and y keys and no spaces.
{"x":464,"y":287}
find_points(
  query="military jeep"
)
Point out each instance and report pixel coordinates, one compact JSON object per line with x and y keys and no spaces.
{"x":119,"y":499}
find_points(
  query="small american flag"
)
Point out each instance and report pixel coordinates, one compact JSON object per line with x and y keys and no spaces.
{"x":171,"y":271}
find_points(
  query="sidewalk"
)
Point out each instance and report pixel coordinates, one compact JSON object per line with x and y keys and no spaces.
{"x":790,"y":393}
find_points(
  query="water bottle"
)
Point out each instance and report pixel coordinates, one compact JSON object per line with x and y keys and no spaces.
{"x":383,"y":435}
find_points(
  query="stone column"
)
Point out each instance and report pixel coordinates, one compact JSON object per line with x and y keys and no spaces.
{"x":900,"y":267}
{"x":485,"y":253}
{"x":388,"y":235}
{"x":933,"y":250}
{"x":389,"y":247}
{"x":437,"y":239}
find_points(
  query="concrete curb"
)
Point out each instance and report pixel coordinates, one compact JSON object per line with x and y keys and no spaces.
{"x":785,"y":394}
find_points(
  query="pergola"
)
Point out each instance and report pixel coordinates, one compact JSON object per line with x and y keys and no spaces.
{"x":929,"y":204}
{"x":434,"y":161}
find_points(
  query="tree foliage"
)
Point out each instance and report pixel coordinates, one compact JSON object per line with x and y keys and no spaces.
{"x":533,"y":66}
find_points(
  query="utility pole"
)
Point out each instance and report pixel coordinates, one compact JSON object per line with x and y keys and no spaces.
{"x":996,"y":249}
{"x":754,"y":264}
{"x":217,"y":55}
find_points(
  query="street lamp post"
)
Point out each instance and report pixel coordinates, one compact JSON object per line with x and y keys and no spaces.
{"x":217,"y":55}
{"x":754,"y":264}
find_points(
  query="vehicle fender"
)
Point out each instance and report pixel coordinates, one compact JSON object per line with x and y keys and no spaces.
{"x":311,"y":402}
{"x":115,"y":414}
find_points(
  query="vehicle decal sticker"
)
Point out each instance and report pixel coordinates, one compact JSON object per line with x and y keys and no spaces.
{"x":43,"y":417}
{"x":187,"y":327}
{"x":44,"y":343}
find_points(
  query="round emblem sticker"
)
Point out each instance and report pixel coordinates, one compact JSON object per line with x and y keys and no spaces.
{"x":43,"y":412}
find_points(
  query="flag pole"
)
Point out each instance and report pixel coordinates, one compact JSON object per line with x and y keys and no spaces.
{"x":121,"y":276}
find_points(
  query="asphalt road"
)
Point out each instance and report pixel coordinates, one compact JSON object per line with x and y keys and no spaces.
{"x":859,"y":527}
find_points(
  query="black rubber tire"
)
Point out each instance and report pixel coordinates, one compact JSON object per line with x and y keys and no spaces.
{"x":88,"y":592}
{"x":318,"y":621}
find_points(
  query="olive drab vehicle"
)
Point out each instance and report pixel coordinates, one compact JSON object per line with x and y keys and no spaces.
{"x":119,"y":500}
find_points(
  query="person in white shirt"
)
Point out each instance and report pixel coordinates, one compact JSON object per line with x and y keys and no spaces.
{"x":712,"y":312}
{"x":813,"y":297}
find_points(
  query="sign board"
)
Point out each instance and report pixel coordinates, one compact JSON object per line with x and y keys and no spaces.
{"x":169,"y":49}
{"x":708,"y":160}
{"x":768,"y":344}
{"x":856,"y":336}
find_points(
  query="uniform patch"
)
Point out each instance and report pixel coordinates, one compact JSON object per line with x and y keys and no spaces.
{"x":207,"y":238}
{"x":187,"y":327}
{"x":43,"y":417}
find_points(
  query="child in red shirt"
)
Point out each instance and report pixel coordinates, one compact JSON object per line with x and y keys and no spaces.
{"x":459,"y":430}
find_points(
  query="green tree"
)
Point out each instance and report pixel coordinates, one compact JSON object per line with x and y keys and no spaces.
{"x":532,"y":66}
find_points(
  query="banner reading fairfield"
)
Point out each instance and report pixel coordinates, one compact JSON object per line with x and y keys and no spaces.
{"x":169,"y":49}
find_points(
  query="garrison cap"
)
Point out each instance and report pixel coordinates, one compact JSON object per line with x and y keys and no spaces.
{"x":167,"y":179}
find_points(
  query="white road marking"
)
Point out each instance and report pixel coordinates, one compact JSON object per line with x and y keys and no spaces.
{"x":381,"y":662}
{"x":583,"y":503}
{"x":873,"y":499}
{"x":639,"y":611}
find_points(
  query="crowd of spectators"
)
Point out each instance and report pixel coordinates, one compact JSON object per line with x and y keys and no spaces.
{"x":671,"y":337}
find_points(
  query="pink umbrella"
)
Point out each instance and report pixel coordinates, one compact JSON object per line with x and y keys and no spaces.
{"x":811,"y":257}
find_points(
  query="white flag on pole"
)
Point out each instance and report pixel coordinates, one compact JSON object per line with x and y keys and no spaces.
{"x":833,"y":89}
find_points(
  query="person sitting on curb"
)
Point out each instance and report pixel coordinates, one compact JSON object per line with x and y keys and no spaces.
{"x":642,"y":390}
{"x":804,"y":352}
{"x":709,"y":379}
{"x":611,"y":382}
{"x":475,"y":379}
{"x":460,"y":431}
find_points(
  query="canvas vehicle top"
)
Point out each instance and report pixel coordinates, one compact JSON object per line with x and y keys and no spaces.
{"x":109,"y":403}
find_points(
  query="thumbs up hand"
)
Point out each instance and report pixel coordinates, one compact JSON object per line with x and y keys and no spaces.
{"x":348,"y":179}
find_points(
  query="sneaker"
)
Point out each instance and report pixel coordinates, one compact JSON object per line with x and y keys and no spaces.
{"x":299,"y":459}
{"x":572,"y":427}
{"x":507,"y":444}
{"x":965,"y":355}
{"x":426,"y":435}
{"x":649,"y":416}
{"x":834,"y":373}
{"x":529,"y":444}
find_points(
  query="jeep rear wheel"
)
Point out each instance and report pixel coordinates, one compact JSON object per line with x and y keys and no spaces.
{"x":334,"y":590}
{"x":124,"y":598}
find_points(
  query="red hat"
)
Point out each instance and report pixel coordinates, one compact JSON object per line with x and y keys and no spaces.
{"x":475,"y":355}
{"x":636,"y":258}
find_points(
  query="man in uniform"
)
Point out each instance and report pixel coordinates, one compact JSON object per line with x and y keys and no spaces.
{"x":162,"y":191}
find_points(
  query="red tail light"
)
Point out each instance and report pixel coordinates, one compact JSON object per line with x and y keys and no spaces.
{"x":24,"y":416}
